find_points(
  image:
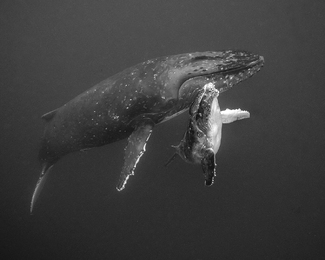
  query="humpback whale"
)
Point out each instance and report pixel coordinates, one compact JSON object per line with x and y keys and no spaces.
{"x":202,"y":138}
{"x":130,"y":103}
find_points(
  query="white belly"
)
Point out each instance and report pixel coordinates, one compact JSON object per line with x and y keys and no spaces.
{"x":215,"y":126}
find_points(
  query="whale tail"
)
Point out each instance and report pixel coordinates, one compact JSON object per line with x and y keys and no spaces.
{"x":40,"y":184}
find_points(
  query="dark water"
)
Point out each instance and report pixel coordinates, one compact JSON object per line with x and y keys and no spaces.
{"x":268,"y":200}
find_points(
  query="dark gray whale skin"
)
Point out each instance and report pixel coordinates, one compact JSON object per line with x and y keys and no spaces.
{"x":130,"y":103}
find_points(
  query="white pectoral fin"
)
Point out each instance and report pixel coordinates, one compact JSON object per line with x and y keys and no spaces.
{"x":231,"y":115}
{"x":40,"y":184}
{"x":133,"y":151}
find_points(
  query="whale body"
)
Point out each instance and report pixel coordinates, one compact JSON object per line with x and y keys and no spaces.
{"x":130,"y":103}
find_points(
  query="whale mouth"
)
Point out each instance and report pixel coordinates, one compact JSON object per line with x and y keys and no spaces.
{"x":223,"y":69}
{"x":223,"y":62}
{"x":228,"y":77}
{"x":253,"y":66}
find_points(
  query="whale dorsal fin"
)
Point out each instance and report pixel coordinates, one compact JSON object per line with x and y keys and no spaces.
{"x":49,"y":116}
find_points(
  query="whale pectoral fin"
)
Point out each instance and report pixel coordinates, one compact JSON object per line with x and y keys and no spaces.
{"x":133,"y":151}
{"x":40,"y":184}
{"x":209,"y":167}
{"x":231,"y":115}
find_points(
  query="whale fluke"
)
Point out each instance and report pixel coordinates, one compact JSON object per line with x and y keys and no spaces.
{"x":40,"y":184}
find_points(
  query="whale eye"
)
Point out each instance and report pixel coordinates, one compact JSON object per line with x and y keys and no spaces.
{"x":200,"y":134}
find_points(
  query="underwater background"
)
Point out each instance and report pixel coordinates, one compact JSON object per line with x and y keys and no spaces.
{"x":268,"y":199}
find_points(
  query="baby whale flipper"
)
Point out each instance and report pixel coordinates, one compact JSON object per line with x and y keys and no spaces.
{"x":130,"y":103}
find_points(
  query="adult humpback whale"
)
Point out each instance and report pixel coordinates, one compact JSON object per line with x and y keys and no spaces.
{"x":130,"y":103}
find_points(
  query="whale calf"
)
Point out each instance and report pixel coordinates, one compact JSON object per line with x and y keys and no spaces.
{"x":202,"y":138}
